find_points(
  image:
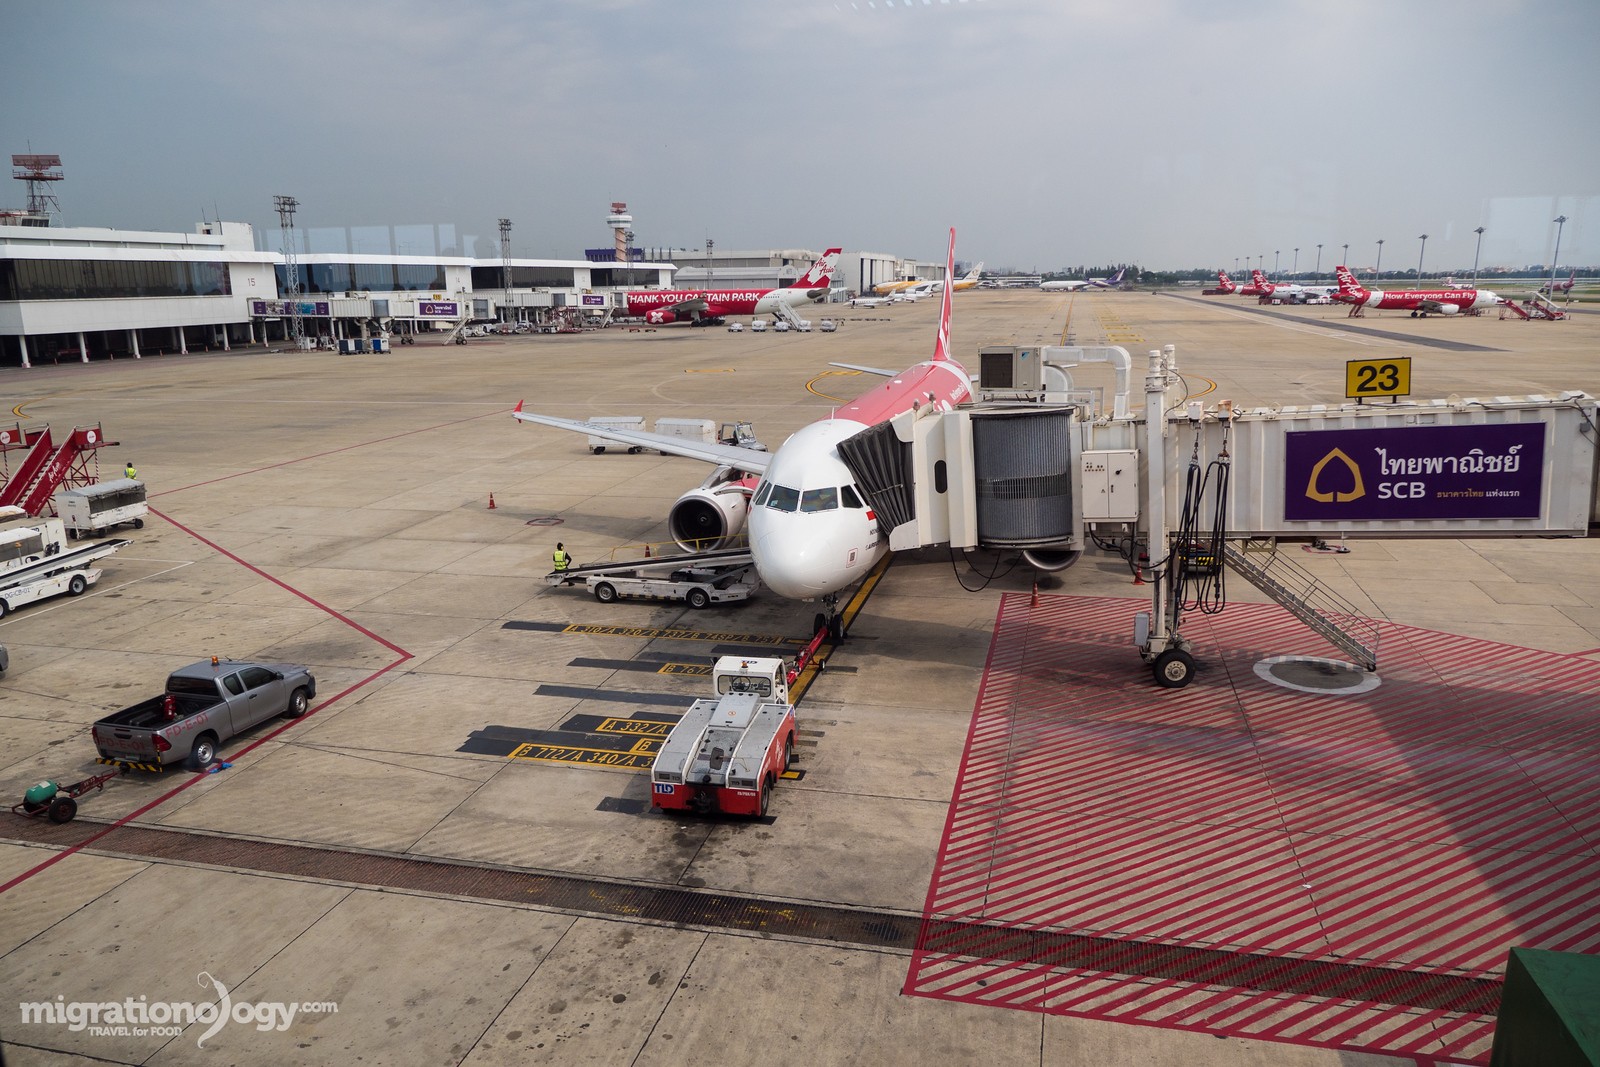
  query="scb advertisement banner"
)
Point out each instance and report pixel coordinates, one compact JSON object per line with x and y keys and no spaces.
{"x":1417,"y":472}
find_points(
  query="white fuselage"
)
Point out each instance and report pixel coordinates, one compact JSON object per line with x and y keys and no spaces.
{"x":811,"y":530}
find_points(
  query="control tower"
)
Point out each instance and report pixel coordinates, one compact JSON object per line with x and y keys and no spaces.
{"x":621,"y":224}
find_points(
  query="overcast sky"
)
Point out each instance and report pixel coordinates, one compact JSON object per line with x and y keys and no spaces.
{"x":1167,"y":133}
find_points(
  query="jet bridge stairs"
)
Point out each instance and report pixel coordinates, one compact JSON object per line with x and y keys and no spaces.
{"x":1296,"y":589}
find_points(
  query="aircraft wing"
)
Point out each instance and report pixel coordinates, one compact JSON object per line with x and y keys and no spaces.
{"x":688,"y":307}
{"x":745,"y":459}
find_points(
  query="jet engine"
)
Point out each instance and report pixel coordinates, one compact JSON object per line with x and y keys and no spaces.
{"x":712,"y":515}
{"x":660,"y":318}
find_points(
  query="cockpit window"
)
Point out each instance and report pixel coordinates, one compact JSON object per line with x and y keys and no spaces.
{"x":819,"y":499}
{"x":783,"y":498}
{"x":848,"y":493}
{"x":761,"y":494}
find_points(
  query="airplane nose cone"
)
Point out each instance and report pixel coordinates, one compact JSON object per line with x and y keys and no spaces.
{"x":794,"y":565}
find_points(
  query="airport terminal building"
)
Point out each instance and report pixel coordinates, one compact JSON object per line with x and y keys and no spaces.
{"x":83,"y":293}
{"x":92,"y":293}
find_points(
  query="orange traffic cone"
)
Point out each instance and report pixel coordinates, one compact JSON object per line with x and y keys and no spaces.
{"x":491,"y":501}
{"x":647,"y":550}
{"x":1138,"y":569}
{"x":1035,"y":602}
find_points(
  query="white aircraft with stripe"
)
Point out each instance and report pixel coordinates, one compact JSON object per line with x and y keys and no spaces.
{"x":812,"y":531}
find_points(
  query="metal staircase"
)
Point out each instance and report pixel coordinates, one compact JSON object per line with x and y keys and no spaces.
{"x":1329,"y":615}
{"x":787,"y":314}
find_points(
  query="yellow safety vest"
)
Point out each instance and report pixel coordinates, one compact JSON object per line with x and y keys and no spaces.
{"x":562,"y":559}
{"x":129,"y":473}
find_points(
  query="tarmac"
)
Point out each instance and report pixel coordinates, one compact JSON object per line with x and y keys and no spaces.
{"x":452,"y":858}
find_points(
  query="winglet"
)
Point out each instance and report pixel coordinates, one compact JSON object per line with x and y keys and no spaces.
{"x":941,"y":343}
{"x":518,"y":409}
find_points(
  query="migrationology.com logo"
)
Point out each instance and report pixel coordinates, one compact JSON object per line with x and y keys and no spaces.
{"x":1334,"y":496}
{"x":139,"y":1017}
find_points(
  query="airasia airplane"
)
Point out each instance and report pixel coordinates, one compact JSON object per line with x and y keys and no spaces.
{"x":1420,"y":302}
{"x":1285,"y":292}
{"x":1226,"y":286}
{"x":1561,"y":287}
{"x":812,"y":532}
{"x":707,"y":307}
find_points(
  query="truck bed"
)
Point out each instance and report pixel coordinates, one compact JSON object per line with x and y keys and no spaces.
{"x":147,"y":714}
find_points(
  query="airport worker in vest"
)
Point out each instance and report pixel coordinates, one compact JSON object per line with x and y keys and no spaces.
{"x":129,"y":472}
{"x":562,"y":558}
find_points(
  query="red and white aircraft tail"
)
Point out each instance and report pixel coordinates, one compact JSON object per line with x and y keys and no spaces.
{"x":1225,"y":283}
{"x":1350,"y":290}
{"x":820,"y":276}
{"x":941,"y":343}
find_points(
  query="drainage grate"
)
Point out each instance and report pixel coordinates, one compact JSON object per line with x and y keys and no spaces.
{"x":871,"y":929}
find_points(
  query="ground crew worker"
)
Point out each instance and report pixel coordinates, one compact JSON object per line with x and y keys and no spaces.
{"x":562,"y":558}
{"x":129,"y":472}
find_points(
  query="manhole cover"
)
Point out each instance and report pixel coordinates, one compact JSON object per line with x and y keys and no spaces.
{"x":546,"y":520}
{"x":1308,"y":674}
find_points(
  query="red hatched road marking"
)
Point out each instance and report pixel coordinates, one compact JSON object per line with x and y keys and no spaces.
{"x":1391,"y":844}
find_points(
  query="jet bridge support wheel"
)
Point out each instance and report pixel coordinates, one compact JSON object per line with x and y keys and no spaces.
{"x":1174,"y":669}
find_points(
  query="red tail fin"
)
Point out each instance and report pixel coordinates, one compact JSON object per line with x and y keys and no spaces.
{"x":941,"y":344}
{"x":1258,"y":278}
{"x":1347,"y":282}
{"x":821,"y":272}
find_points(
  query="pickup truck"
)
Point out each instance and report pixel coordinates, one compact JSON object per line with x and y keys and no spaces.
{"x":203,"y":705}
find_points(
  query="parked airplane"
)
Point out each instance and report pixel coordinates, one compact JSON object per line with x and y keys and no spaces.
{"x":1087,"y":283}
{"x":925,"y":286}
{"x":812,"y":531}
{"x":706,"y":307}
{"x":1561,"y":287}
{"x":1286,"y":292}
{"x":1420,"y":302}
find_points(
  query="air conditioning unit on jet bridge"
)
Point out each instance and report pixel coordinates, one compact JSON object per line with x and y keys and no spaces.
{"x":987,"y":476}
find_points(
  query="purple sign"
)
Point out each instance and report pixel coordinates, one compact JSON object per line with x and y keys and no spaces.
{"x":437,"y":309}
{"x":595,"y":300}
{"x":1418,"y":472}
{"x":287,"y":307}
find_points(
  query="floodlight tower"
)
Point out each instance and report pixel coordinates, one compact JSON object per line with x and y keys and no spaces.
{"x":505,"y":268}
{"x":1561,"y":222}
{"x":620,"y":222}
{"x":291,"y":268}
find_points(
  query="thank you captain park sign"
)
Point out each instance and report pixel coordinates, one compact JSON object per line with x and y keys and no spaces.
{"x":1421,"y":472}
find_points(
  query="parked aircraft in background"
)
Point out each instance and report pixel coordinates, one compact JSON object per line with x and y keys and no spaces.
{"x":812,"y":531}
{"x":707,"y":307}
{"x":1087,"y":283}
{"x":1420,"y":302}
{"x":925,"y":286}
{"x":1561,"y":287}
{"x":1287,"y":292}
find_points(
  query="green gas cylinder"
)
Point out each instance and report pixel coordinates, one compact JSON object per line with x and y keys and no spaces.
{"x":39,"y":795}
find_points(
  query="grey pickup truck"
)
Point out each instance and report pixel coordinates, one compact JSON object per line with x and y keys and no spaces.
{"x":204,"y":704}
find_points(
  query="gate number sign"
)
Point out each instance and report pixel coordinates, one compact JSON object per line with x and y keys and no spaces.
{"x":1377,"y":377}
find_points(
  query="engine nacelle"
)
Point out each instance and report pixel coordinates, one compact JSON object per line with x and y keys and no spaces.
{"x":708,"y":517}
{"x":1447,"y":309}
{"x":1051,"y":559}
{"x":660,"y":318}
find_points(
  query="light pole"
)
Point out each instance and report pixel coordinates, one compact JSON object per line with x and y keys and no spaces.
{"x":1424,"y":240}
{"x":1561,"y":222}
{"x":1277,"y":274}
{"x":1345,"y":262}
{"x":1296,"y":268}
{"x":1319,"y":263}
{"x":1479,"y":232}
{"x":1377,"y":271}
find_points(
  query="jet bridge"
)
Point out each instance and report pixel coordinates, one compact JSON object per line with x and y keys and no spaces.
{"x":1200,"y":487}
